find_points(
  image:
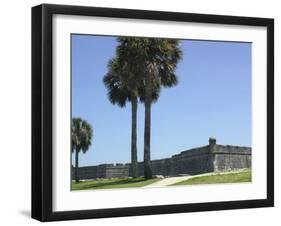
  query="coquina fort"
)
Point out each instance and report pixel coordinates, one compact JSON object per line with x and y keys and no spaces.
{"x":210,"y":158}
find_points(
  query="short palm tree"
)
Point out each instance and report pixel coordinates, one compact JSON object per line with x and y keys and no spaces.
{"x":81,"y":140}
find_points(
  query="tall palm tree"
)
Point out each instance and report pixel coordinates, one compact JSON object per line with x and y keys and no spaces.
{"x":124,"y":82}
{"x":81,"y":139}
{"x":157,"y":60}
{"x":122,"y":87}
{"x":162,"y":58}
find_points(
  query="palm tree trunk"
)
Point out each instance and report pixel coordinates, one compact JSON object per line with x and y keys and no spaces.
{"x":134,"y":158}
{"x":76,"y":165}
{"x":147,"y":104}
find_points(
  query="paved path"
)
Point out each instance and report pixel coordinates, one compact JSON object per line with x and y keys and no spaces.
{"x":172,"y":180}
{"x":167,"y":181}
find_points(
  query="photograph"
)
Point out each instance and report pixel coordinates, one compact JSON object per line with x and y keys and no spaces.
{"x":155,"y":112}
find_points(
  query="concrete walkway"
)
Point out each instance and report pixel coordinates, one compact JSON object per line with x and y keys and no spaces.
{"x":172,"y":180}
{"x":167,"y":181}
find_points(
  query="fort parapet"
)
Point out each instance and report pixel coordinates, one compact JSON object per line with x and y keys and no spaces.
{"x":210,"y":158}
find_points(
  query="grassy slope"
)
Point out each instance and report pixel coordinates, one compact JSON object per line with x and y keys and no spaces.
{"x":113,"y":183}
{"x":219,"y":178}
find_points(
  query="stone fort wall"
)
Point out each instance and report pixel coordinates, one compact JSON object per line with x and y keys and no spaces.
{"x":209,"y":158}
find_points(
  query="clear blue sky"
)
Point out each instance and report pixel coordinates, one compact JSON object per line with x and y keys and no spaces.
{"x":212,"y":98}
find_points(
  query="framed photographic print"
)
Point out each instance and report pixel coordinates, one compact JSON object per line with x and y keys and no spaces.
{"x":145,"y":112}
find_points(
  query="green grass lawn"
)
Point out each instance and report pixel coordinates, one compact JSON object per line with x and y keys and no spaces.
{"x":219,"y":178}
{"x":113,"y":183}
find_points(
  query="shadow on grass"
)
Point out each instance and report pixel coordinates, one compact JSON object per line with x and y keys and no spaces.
{"x":108,"y":183}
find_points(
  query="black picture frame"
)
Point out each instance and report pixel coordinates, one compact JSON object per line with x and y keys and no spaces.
{"x":42,"y":111}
